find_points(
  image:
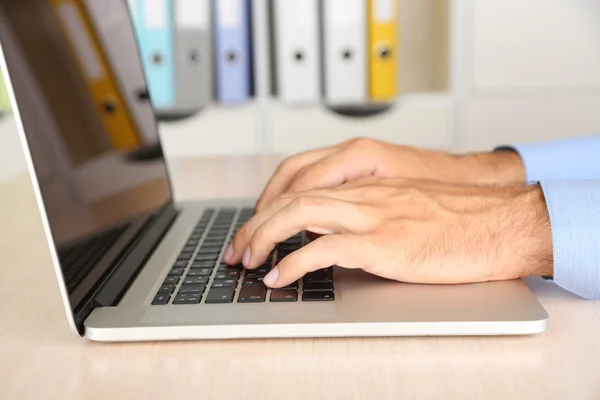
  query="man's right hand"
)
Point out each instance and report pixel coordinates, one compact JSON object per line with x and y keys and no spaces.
{"x":361,"y":157}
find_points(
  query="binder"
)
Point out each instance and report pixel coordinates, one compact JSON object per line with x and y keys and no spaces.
{"x":104,"y":92}
{"x":344,"y":53}
{"x":116,"y":33}
{"x":297,"y":50}
{"x":194,"y":88}
{"x":4,"y":101}
{"x":153,"y":21}
{"x":383,"y":48}
{"x":232,"y":50}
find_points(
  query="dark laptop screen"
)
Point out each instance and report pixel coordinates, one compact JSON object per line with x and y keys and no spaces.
{"x":88,"y":122}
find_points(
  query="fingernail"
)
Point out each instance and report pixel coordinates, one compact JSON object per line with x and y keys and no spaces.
{"x":271,"y":277}
{"x":246,"y":257}
{"x":228,"y":253}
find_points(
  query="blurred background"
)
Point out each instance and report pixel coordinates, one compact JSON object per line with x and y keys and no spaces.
{"x":454,"y":74}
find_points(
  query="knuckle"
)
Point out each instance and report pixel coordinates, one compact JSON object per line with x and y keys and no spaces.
{"x":363,"y":142}
{"x":301,"y":178}
{"x":288,"y":163}
{"x":260,"y":237}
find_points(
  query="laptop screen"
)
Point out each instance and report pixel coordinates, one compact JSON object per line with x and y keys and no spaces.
{"x":88,"y":122}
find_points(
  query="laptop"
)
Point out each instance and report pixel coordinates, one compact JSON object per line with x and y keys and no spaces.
{"x":135,"y":264}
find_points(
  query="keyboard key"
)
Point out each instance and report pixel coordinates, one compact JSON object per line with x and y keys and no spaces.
{"x":168,"y":288}
{"x":222,"y":230}
{"x":206,"y":257}
{"x":317,"y":286}
{"x":284,"y":296}
{"x":291,"y":286}
{"x":223,"y":283}
{"x":209,"y":249}
{"x":200,"y":272}
{"x":161,"y":299}
{"x":214,"y":253}
{"x":220,"y":295}
{"x":192,"y":280}
{"x":213,"y":243}
{"x":256,"y":273}
{"x":318,"y":296}
{"x":171,"y":280}
{"x":252,"y":294}
{"x":180,"y":264}
{"x":176,"y":271}
{"x":225,"y":267}
{"x":203,"y":264}
{"x":192,"y":242}
{"x":223,"y":222}
{"x":189,"y":249}
{"x":227,"y":275}
{"x":184,"y":256}
{"x":253,"y":281}
{"x":216,"y":240}
{"x":188,"y":298}
{"x":319,"y":276}
{"x":197,"y":288}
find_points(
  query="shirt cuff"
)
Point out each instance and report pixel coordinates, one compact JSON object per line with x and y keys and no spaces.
{"x":574,"y":209}
{"x":560,"y":159}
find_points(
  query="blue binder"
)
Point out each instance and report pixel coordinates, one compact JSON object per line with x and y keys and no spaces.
{"x":153,"y":20}
{"x":232,"y":33}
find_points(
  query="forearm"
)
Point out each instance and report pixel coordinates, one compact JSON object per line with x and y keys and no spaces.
{"x":500,"y":167}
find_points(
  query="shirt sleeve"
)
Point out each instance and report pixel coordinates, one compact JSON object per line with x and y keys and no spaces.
{"x":561,"y":159}
{"x":574,"y":209}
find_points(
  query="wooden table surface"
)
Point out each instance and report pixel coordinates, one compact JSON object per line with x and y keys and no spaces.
{"x":41,"y":359}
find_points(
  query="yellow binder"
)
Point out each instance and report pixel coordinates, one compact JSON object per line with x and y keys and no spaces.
{"x":108,"y":100}
{"x":383,"y":50}
{"x":4,"y":101}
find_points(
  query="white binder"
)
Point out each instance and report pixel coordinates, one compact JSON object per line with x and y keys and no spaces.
{"x":345,"y":46}
{"x":297,"y":51}
{"x":117,"y":35}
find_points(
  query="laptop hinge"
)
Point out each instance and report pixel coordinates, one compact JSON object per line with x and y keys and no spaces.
{"x":131,"y":264}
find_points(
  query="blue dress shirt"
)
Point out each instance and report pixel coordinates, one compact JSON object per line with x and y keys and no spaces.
{"x":569,"y":173}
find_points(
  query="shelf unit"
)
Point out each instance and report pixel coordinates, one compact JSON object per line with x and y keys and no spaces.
{"x":422,"y":114}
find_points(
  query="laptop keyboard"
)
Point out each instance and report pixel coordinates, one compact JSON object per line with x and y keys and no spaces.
{"x":198,"y":276}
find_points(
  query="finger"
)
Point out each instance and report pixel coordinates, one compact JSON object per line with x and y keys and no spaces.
{"x":343,"y":250}
{"x":320,"y":215}
{"x":286,"y":171}
{"x":331,"y":171}
{"x":238,"y":252}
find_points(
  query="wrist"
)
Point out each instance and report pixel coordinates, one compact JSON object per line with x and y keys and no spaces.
{"x":501,"y":167}
{"x":535,"y":233}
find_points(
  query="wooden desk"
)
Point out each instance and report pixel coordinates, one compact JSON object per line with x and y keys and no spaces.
{"x":42,"y":359}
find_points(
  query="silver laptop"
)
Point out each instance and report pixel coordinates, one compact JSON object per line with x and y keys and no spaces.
{"x":132,"y":264}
